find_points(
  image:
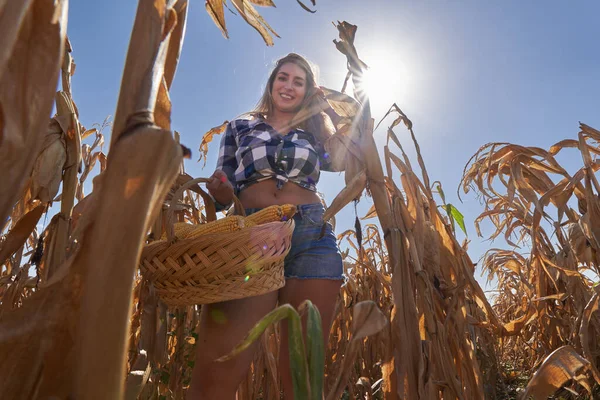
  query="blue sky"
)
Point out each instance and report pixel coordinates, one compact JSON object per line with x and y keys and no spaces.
{"x":465,"y":72}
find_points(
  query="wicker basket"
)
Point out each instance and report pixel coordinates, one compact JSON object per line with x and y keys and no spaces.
{"x":217,"y":267}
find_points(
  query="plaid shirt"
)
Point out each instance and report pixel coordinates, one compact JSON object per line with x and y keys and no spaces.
{"x":252,"y":151}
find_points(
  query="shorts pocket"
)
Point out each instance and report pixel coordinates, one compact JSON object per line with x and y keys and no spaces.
{"x":313,"y":217}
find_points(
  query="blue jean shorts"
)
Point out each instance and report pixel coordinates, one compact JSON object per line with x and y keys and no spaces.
{"x":311,"y":257}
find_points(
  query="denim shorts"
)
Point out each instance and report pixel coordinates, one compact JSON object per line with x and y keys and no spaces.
{"x":311,"y":257}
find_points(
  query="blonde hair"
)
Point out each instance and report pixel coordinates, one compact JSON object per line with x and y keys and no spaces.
{"x":310,"y":116}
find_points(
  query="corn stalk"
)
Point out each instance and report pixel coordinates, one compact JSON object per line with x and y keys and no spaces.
{"x":530,"y":198}
{"x":128,"y":194}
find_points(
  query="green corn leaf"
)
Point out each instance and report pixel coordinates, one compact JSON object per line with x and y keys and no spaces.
{"x":315,"y":349}
{"x":441,"y":192}
{"x":448,"y":208}
{"x":458,"y":217}
{"x":298,"y":365}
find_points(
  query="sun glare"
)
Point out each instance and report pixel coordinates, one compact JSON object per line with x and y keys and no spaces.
{"x":386,"y":81}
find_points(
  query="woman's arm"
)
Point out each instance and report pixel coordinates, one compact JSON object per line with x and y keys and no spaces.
{"x":223,"y":179}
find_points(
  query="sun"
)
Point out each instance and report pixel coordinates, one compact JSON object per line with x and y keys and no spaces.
{"x":386,"y":80}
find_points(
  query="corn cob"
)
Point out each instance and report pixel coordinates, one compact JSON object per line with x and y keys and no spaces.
{"x":272,"y":214}
{"x":233,"y":223}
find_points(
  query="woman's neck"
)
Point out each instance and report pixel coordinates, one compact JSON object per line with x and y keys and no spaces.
{"x":281,"y":121}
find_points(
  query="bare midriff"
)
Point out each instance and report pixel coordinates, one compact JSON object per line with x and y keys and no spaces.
{"x":265,"y":193}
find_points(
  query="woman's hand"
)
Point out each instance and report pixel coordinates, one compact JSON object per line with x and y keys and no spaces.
{"x":220,"y":188}
{"x":320,"y":94}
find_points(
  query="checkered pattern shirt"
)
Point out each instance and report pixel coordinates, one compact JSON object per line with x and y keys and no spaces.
{"x":252,"y":151}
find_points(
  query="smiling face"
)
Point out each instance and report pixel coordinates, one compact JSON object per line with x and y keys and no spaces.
{"x":289,"y":88}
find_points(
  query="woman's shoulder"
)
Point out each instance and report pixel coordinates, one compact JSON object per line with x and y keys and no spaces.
{"x":243,"y":124}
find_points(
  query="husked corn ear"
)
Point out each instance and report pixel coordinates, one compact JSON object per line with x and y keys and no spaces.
{"x":272,"y":214}
{"x":233,"y":223}
{"x":228,"y":224}
{"x":181,"y":230}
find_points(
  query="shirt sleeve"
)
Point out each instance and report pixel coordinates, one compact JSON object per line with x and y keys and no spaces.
{"x":227,"y":161}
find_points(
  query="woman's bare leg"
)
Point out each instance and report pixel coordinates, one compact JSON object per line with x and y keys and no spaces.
{"x":222,"y":327}
{"x":323,"y":294}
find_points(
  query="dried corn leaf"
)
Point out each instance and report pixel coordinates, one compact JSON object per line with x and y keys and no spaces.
{"x":208,"y":137}
{"x":305,"y":7}
{"x":214,"y":8}
{"x":36,"y":340}
{"x":562,"y":365}
{"x":372,"y":213}
{"x":349,"y":193}
{"x":17,"y":236}
{"x":584,"y":333}
{"x":89,"y":132}
{"x":176,"y":41}
{"x":253,"y":18}
{"x":12,"y":14}
{"x":263,"y":3}
{"x":367,"y":320}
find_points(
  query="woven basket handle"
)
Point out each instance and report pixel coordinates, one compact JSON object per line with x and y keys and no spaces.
{"x":178,"y":195}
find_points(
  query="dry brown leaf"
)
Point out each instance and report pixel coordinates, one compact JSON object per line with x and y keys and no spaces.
{"x":89,"y":132}
{"x":349,"y":193}
{"x":12,"y":15}
{"x":36,"y":340}
{"x":305,"y":7}
{"x":367,"y":320}
{"x":263,"y":3}
{"x":560,"y":297}
{"x":176,"y":42}
{"x":214,"y":8}
{"x":253,"y":18}
{"x":584,"y":333}
{"x":17,"y":236}
{"x":208,"y":137}
{"x":562,"y":365}
{"x":372,"y":213}
{"x":162,"y":110}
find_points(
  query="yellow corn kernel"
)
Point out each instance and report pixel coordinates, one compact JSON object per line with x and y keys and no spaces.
{"x":227,"y":224}
{"x":183,"y":230}
{"x":272,"y":214}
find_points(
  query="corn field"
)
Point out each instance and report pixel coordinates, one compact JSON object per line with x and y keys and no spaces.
{"x":411,"y":320}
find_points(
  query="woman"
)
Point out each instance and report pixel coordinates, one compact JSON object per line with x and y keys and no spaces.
{"x":274,"y":158}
